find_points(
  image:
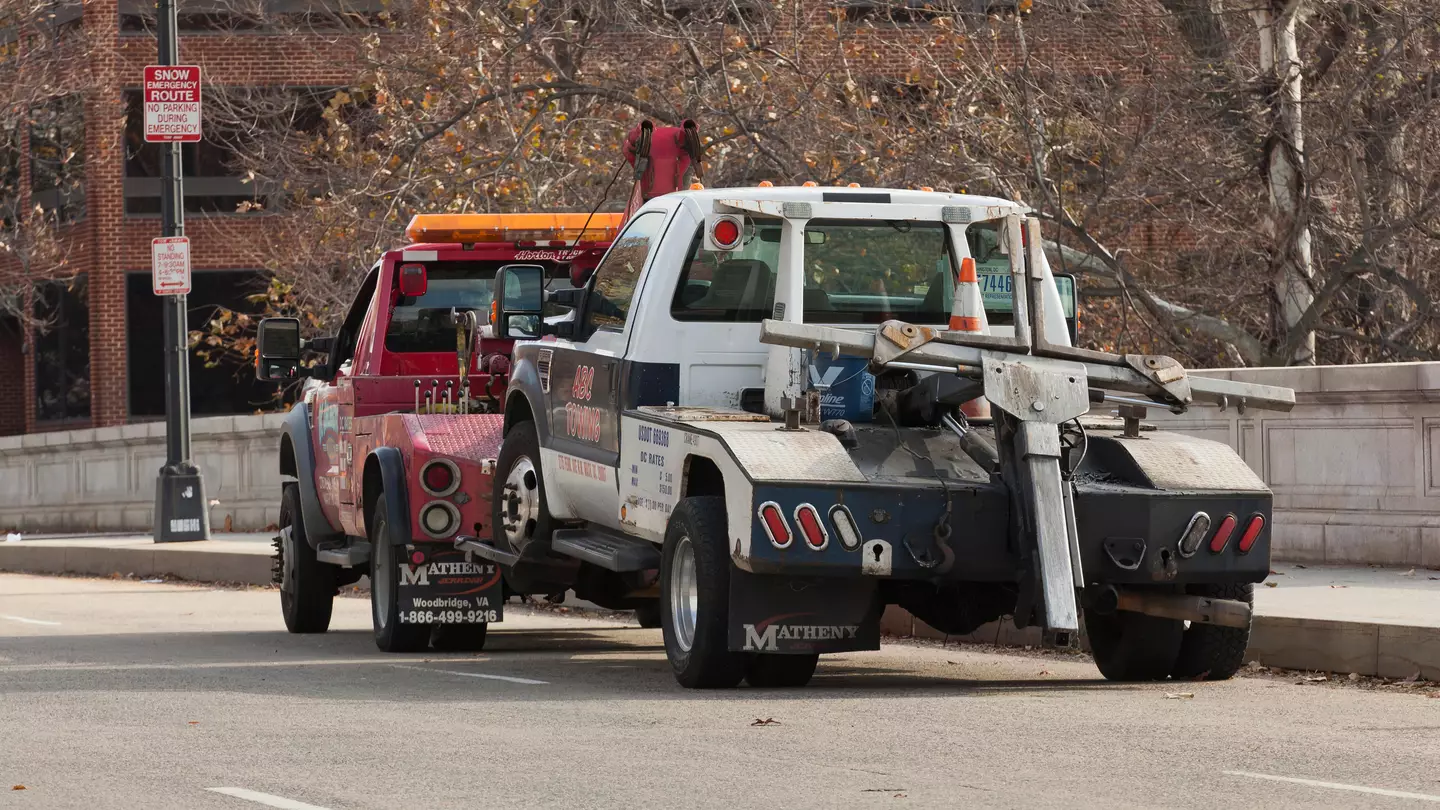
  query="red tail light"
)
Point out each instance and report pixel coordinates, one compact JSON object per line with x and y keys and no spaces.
{"x":1252,"y":533}
{"x":775,"y":526}
{"x":811,"y":527}
{"x":440,"y":477}
{"x":1222,"y":534}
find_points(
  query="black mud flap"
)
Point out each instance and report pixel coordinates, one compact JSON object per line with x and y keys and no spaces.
{"x":781,"y":614}
{"x":448,"y":586}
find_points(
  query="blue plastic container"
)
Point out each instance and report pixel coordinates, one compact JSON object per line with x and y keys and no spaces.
{"x":847,"y":387}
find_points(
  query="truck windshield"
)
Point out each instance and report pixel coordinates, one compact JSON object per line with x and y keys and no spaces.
{"x":856,"y":271}
{"x":421,"y":323}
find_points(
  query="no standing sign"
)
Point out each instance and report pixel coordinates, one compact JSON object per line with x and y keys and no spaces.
{"x":170,"y":263}
{"x":172,"y":103}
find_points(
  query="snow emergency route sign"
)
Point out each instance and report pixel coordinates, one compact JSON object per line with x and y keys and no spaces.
{"x":170,"y":261}
{"x":172,"y":103}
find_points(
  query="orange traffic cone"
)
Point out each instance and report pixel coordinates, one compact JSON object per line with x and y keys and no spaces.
{"x":968,"y":315}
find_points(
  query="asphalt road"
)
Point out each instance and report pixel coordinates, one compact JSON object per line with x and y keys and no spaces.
{"x":124,"y":694}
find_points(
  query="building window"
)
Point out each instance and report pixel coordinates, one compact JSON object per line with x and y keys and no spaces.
{"x":9,"y":177}
{"x":62,"y":351}
{"x":57,"y":157}
{"x":223,"y":384}
{"x":213,"y":181}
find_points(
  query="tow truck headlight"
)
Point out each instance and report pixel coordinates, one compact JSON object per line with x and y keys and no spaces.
{"x":439,"y":477}
{"x":439,"y":519}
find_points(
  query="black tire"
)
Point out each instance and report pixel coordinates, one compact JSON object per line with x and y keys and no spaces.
{"x":390,"y":635}
{"x":1211,"y":652}
{"x":1132,"y":646}
{"x":307,"y":586}
{"x":521,"y":443}
{"x":459,"y":637}
{"x":772,"y":671}
{"x":697,"y":529}
{"x":648,"y":614}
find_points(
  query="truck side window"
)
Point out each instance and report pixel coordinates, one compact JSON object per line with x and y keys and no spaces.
{"x":619,"y":272}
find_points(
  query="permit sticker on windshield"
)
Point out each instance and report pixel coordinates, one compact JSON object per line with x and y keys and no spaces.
{"x":996,"y":284}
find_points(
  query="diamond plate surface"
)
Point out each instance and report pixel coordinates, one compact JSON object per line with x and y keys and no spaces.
{"x":475,"y":437}
{"x":1175,"y":461}
{"x":770,"y":454}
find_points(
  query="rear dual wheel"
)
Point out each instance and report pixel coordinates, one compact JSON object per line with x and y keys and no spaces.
{"x":695,"y":608}
{"x":1136,"y":647}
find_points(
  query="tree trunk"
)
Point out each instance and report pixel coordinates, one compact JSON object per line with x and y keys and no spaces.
{"x":1287,"y":224}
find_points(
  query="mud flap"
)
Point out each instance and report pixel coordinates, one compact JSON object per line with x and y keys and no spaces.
{"x":781,"y":614}
{"x":448,"y":586}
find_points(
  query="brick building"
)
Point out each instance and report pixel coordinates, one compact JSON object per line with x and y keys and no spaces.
{"x":100,"y":362}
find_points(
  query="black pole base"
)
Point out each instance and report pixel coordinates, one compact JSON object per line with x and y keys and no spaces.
{"x":181,"y":512}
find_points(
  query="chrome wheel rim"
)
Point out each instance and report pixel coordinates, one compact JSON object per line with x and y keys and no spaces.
{"x":684,"y":594}
{"x":520,"y":502}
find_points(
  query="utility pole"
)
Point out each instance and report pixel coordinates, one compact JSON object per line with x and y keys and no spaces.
{"x":181,"y":511}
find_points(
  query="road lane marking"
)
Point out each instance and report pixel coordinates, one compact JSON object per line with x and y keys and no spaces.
{"x":265,"y":798}
{"x":505,"y":678}
{"x":24,"y":620}
{"x":1396,"y":794}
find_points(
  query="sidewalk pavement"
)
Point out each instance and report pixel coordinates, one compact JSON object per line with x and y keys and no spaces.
{"x":1366,"y":620}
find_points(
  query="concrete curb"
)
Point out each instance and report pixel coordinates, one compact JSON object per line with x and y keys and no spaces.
{"x":1366,"y":648}
{"x":148,"y":561}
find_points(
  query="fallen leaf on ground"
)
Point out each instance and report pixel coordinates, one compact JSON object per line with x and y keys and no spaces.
{"x":194,"y":722}
{"x":1316,"y":678}
{"x":1354,"y":676}
{"x":1276,"y":574}
{"x":1299,"y":566}
{"x":1412,"y":678}
{"x":18,"y":787}
{"x":1179,"y":695}
{"x":1409,"y":573}
{"x":769,"y":721}
{"x":1271,"y":584}
{"x":1044,"y":672}
{"x":1339,"y":586}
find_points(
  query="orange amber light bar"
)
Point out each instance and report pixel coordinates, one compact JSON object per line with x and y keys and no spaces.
{"x":470,"y":228}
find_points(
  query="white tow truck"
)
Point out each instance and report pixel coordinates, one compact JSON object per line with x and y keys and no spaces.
{"x":757,"y":403}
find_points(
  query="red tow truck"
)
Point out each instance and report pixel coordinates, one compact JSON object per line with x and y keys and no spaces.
{"x":388,"y":455}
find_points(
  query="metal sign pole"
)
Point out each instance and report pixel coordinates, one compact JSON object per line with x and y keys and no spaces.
{"x":181,"y":512}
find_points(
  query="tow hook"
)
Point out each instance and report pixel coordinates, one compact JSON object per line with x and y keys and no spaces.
{"x":1197,"y":609}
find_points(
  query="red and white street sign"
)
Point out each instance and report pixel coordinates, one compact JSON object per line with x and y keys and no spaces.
{"x":170,"y":261}
{"x":172,"y":103}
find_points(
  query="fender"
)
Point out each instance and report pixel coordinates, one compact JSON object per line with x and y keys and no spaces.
{"x":392,"y":483}
{"x":525,"y":383}
{"x":317,"y":526}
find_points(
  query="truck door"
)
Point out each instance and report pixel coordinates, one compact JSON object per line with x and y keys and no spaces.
{"x":334,"y":417}
{"x":586,"y":381}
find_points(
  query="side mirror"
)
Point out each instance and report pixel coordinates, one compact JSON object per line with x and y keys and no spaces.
{"x":519,"y":301}
{"x":277,"y":350}
{"x":413,"y":280}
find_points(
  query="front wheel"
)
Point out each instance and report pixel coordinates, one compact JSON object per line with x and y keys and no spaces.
{"x":390,"y":634}
{"x":648,"y":614}
{"x":695,"y":597}
{"x":307,"y":586}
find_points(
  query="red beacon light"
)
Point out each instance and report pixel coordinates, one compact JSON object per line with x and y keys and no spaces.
{"x":726,"y":233}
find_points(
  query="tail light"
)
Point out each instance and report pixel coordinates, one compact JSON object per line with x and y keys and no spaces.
{"x":726,"y":233}
{"x":811,"y":527}
{"x":439,"y":519}
{"x":845,"y":527}
{"x":1222,"y":534}
{"x":1194,"y":535}
{"x":775,"y":526}
{"x":1252,"y":533}
{"x":439,"y":477}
